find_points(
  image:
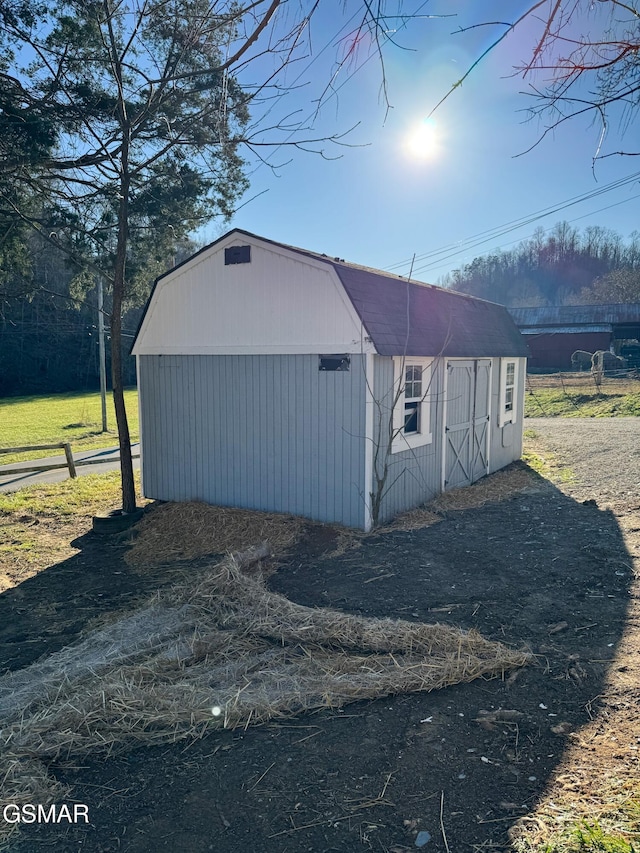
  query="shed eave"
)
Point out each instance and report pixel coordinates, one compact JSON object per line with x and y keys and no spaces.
{"x":515,"y":351}
{"x":566,"y":330}
{"x":351,"y":348}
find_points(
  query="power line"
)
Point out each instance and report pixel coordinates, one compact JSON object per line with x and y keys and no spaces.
{"x":440,"y":255}
{"x":500,"y":230}
{"x":436,"y":264}
{"x":546,"y":230}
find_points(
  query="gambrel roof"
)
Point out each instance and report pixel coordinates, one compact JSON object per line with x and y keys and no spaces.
{"x":407,"y":317}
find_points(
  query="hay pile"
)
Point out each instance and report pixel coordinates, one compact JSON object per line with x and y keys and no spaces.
{"x":222,"y":653}
{"x":190,"y":530}
{"x":497,"y":487}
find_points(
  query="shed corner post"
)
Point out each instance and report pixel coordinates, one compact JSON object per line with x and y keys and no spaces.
{"x":443,"y":454}
{"x":522,"y":393}
{"x":368,"y":439}
{"x":140,"y":424}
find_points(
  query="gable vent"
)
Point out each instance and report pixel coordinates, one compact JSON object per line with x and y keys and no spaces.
{"x":334,"y":362}
{"x":237,"y":255}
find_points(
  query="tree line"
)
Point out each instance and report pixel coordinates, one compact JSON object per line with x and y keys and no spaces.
{"x":564,"y":267}
{"x":49,"y":318}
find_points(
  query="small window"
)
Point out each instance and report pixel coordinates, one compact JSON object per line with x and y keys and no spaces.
{"x":411,"y":416}
{"x":413,"y":382}
{"x":508,"y":388}
{"x":334,"y":362}
{"x":412,"y":398}
{"x":510,"y":381}
{"x":237,"y":255}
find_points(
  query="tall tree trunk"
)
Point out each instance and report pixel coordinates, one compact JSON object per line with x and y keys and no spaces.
{"x":126,"y":462}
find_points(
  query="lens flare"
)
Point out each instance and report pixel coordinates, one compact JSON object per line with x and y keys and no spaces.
{"x":422,"y":140}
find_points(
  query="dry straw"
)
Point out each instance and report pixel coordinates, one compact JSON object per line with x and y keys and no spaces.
{"x":498,"y":487}
{"x":190,"y":530}
{"x":219,"y":651}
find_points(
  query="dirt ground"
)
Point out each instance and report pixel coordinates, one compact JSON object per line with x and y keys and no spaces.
{"x":461,"y":769}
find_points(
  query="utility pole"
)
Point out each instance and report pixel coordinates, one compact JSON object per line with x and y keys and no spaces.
{"x":103,"y":357}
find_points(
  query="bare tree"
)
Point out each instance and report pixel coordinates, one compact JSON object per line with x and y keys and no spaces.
{"x":583,"y":62}
{"x":389,"y":429}
{"x":393,"y":424}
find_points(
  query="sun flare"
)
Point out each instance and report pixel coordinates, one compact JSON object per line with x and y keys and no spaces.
{"x":422,"y":140}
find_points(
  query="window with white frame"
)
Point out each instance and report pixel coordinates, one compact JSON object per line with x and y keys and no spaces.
{"x":508,"y":391}
{"x":412,"y":399}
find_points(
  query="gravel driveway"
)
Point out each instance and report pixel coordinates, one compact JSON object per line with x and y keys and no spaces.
{"x":603,"y":454}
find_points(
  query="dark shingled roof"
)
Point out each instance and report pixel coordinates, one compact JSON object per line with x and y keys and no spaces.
{"x":439,"y":321}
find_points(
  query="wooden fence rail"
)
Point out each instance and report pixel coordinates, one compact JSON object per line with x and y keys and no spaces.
{"x":70,"y":463}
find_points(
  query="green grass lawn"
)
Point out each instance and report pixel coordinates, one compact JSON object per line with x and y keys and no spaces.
{"x":39,"y":523}
{"x":579,"y":399}
{"x":80,"y":498}
{"x":72,"y":417}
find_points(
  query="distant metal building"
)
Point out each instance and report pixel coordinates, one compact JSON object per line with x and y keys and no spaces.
{"x":279,"y":379}
{"x":554,"y":332}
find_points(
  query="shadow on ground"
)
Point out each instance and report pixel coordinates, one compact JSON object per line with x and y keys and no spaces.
{"x":50,"y":610}
{"x":537,"y":569}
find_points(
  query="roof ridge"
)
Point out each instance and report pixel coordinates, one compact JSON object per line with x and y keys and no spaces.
{"x":335,"y":262}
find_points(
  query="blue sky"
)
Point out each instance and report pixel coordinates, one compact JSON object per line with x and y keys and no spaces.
{"x":378,"y":204}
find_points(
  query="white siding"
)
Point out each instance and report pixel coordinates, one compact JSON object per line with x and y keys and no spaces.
{"x":506,"y":441}
{"x":280,"y":302}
